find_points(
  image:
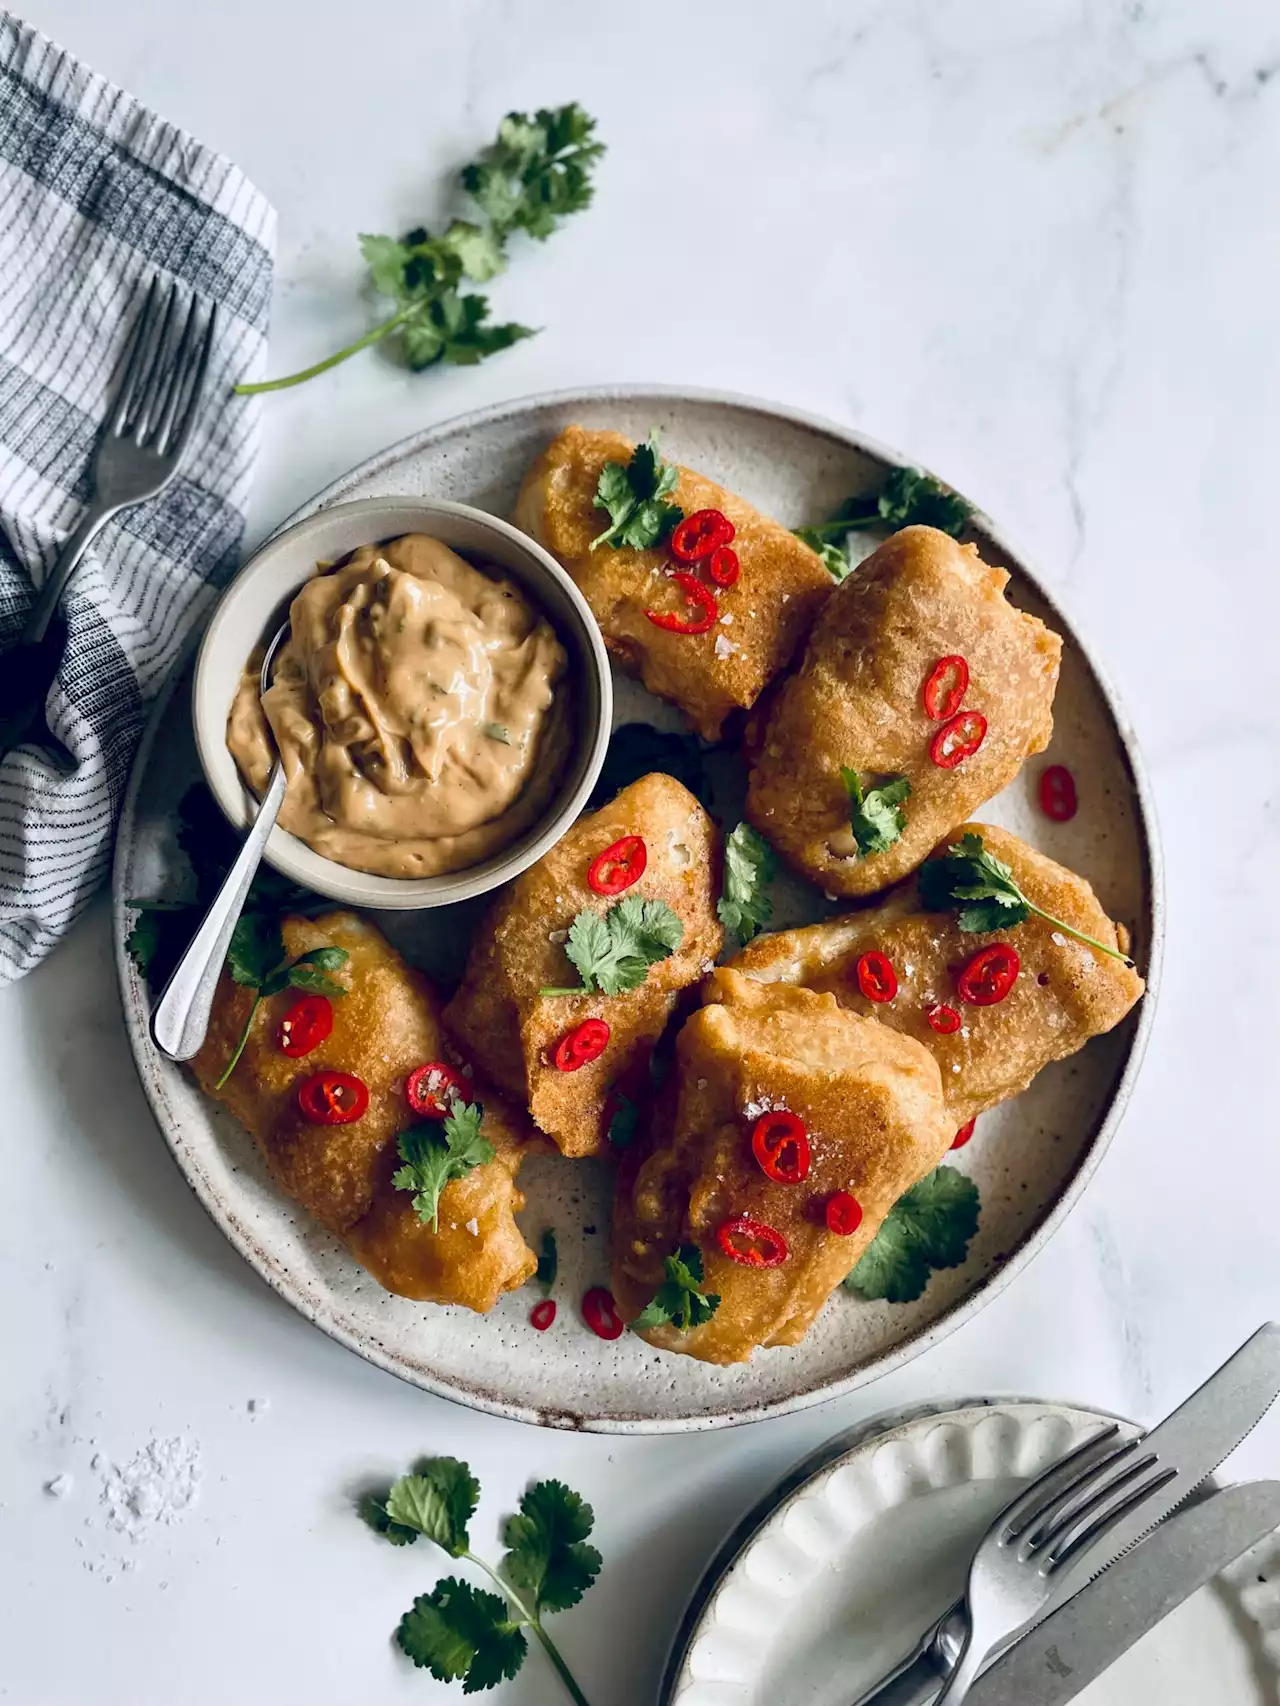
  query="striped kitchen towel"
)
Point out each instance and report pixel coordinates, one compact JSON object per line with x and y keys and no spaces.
{"x":96,"y":195}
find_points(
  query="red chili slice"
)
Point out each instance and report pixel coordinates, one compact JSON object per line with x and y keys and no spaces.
{"x":723,"y":565}
{"x":943,"y":1018}
{"x":333,"y":1098}
{"x":584,"y":1043}
{"x":946,"y":687}
{"x":697,"y":597}
{"x":876,"y":977}
{"x":989,"y":975}
{"x":620,"y":865}
{"x":305,"y":1026}
{"x":543,"y":1314}
{"x":844,"y":1214}
{"x":751,"y":1243}
{"x":432,"y":1088}
{"x":964,"y":1134}
{"x":1058,"y":793}
{"x":780,"y":1144}
{"x":958,"y":739}
{"x":600,"y":1313}
{"x":699,"y":534}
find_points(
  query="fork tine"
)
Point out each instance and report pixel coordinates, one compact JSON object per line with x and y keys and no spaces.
{"x":1067,"y":1512}
{"x":133,"y":363}
{"x":195,"y":390}
{"x":140,"y":415}
{"x":1066,"y":1476}
{"x":1063,"y":1554}
{"x":160,"y":423}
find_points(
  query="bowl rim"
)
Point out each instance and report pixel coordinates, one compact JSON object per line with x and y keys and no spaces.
{"x":292,"y":857}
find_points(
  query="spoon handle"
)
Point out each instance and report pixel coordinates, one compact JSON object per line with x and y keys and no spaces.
{"x":181,"y":1017}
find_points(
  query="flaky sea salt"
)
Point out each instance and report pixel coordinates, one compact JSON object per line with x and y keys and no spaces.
{"x":155,"y":1487}
{"x":1058,"y":939}
{"x":724,"y":648}
{"x":762,"y":1105}
{"x":60,"y":1487}
{"x":473,"y":1227}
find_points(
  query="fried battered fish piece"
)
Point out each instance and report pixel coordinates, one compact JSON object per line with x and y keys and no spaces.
{"x":764,"y":617}
{"x":510,"y":1029}
{"x":857,"y":702}
{"x":1065,"y":993}
{"x":872,"y":1104}
{"x":386,"y":1024}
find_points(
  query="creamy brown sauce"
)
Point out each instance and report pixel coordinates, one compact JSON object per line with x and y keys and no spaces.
{"x":415,"y":709}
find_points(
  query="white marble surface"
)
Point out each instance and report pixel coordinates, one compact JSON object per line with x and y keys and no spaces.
{"x":1033,"y":245}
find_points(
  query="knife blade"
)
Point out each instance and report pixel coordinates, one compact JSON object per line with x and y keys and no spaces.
{"x":1194,"y":1440}
{"x":1204,"y":1430}
{"x":1075,"y":1644}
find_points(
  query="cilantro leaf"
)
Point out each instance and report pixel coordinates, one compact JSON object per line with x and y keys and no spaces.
{"x":613,"y":952}
{"x":749,"y":865}
{"x":835,"y":559}
{"x":680,"y":1299}
{"x":436,"y":1152}
{"x":256,"y":948}
{"x":438,"y":1501}
{"x":461,"y":1633}
{"x":634,"y":496}
{"x":910,"y":498}
{"x":637,"y":749}
{"x":548,"y":1261}
{"x":984,"y":894}
{"x":929,"y":1227}
{"x":875,"y":816}
{"x":623,"y":1122}
{"x":547,"y":1557}
{"x":373,"y":1510}
{"x":535,"y":174}
{"x":907,"y":498}
{"x":152,"y":934}
{"x":308,"y":971}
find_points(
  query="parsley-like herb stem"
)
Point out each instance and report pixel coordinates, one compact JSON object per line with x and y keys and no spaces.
{"x":531,"y":1620}
{"x":230,"y":1067}
{"x":374,"y":335}
{"x":1079,"y":935}
{"x":577,"y":989}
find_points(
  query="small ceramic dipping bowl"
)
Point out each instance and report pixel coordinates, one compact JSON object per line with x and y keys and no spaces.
{"x":258,"y":600}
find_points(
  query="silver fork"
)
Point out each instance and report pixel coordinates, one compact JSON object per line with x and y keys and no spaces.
{"x":139,"y":451}
{"x":1022,"y":1563}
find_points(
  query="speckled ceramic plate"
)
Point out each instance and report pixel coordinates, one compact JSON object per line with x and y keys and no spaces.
{"x":826,"y":1585}
{"x":1031,"y":1158}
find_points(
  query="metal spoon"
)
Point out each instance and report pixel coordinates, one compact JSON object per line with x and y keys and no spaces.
{"x":180,"y":1021}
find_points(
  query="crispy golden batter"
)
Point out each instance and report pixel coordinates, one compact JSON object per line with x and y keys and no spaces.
{"x":1065,"y":992}
{"x":509,"y":1029}
{"x":782,"y":587}
{"x":384,"y":1026}
{"x":872,"y":1103}
{"x":856,"y":701}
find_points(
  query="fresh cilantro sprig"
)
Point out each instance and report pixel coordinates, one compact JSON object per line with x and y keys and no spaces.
{"x":436,"y":1152}
{"x":680,"y":1299}
{"x":548,"y":1262}
{"x":929,"y":1227}
{"x":534,"y":175}
{"x":984,"y":894}
{"x":614,"y":951}
{"x":634,"y":494}
{"x":257,"y":960}
{"x":875,"y":814}
{"x":466,"y":1634}
{"x":908,"y":498}
{"x":749,"y":867}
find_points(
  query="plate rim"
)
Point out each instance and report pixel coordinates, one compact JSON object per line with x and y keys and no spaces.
{"x":953,"y":1317}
